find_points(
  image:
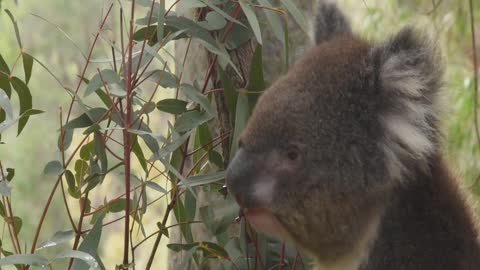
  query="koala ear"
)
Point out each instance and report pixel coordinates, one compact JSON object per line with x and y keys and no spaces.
{"x":408,"y":76}
{"x":330,"y":22}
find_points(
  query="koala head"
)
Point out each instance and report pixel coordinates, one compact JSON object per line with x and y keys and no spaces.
{"x":327,"y":142}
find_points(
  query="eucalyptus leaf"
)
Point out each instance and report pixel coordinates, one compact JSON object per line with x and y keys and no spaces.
{"x":109,"y":76}
{"x":156,"y":187}
{"x":296,"y":14}
{"x":173,"y":106}
{"x":241,"y":117}
{"x":213,"y":21}
{"x":27,"y":66}
{"x":79,"y":255}
{"x":58,"y":238}
{"x":163,"y":78}
{"x":4,"y":77}
{"x":273,"y":19}
{"x":87,"y":119}
{"x":5,"y":104}
{"x":191,"y":120}
{"x":28,"y":259}
{"x":25,"y":100}
{"x":252,"y":19}
{"x":53,"y":168}
{"x":5,"y":189}
{"x":89,"y":245}
{"x":200,"y":180}
{"x":194,"y":95}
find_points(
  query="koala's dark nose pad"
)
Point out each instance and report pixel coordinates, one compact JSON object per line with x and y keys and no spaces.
{"x":239,"y":176}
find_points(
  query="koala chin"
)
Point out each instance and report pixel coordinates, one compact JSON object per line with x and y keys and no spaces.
{"x":342,"y":156}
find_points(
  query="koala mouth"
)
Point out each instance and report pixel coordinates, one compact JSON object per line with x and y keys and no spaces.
{"x":265,"y":221}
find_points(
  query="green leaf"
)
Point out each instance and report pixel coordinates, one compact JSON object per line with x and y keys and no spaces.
{"x":15,"y":26}
{"x":173,"y":145}
{"x":155,"y":186}
{"x":27,"y":66}
{"x":241,"y":117}
{"x":5,"y":104}
{"x":214,"y":250}
{"x":53,"y":168}
{"x":4,"y":74}
{"x":87,"y":119}
{"x":58,"y":238}
{"x":211,"y":5}
{"x":137,"y":150}
{"x":200,"y":180}
{"x":117,"y":89}
{"x":180,"y":247}
{"x":91,"y":129}
{"x":256,"y":81}
{"x":28,"y":259}
{"x":194,"y":95}
{"x":5,"y":189}
{"x":188,"y":5}
{"x":87,"y":151}
{"x":17,"y":225}
{"x":2,"y":212}
{"x":10,"y":174}
{"x":273,"y":19}
{"x":213,"y":21}
{"x":117,"y":205}
{"x":70,"y":178}
{"x":191,"y":120}
{"x":100,"y":150}
{"x":173,"y":106}
{"x":230,"y":94}
{"x":109,"y":77}
{"x":79,"y":255}
{"x":296,"y":14}
{"x":252,"y":19}
{"x":90,"y":246}
{"x":163,"y":78}
{"x":25,"y":100}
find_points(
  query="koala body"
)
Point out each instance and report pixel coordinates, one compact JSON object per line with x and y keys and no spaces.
{"x":342,"y":156}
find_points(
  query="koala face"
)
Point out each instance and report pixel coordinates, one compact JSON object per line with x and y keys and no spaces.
{"x":311,"y":145}
{"x":329,"y":141}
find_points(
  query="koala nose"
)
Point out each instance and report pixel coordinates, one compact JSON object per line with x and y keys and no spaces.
{"x":240,"y":175}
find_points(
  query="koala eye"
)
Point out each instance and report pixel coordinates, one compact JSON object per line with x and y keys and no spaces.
{"x":293,"y":152}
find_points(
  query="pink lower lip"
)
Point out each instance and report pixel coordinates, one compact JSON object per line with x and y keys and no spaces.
{"x":263,"y":220}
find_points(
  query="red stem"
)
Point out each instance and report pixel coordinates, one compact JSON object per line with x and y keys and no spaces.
{"x":282,"y":257}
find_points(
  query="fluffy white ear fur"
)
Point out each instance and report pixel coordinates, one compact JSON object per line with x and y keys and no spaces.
{"x":410,"y":79}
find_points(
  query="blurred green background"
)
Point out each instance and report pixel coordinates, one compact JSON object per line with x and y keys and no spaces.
{"x":447,"y":21}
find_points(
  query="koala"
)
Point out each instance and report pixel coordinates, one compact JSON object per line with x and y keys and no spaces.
{"x":342,"y":156}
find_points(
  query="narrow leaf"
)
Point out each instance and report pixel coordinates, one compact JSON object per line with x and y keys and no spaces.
{"x":25,"y":100}
{"x":296,"y":14}
{"x":5,"y":104}
{"x":58,"y":238}
{"x":80,"y":255}
{"x":53,"y":168}
{"x":28,"y":259}
{"x":173,"y":106}
{"x":252,"y":19}
{"x":27,"y":66}
{"x":15,"y":26}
